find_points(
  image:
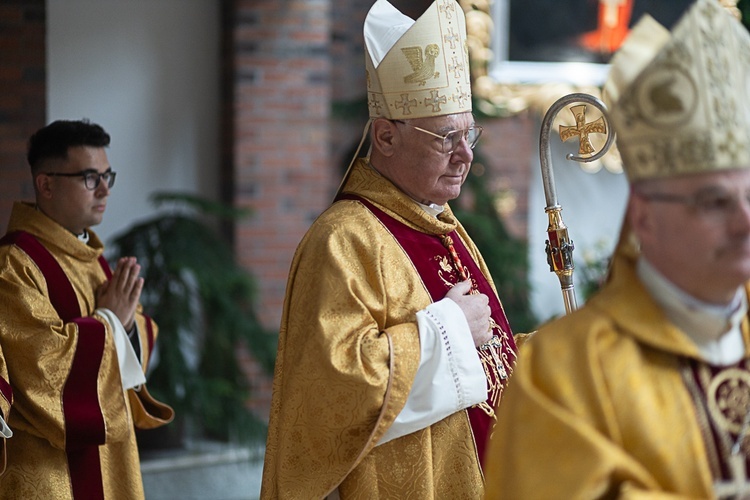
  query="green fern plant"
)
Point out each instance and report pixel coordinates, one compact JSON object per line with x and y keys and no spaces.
{"x":202,"y":301}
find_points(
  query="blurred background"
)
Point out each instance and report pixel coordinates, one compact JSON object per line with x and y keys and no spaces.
{"x":232,"y":122}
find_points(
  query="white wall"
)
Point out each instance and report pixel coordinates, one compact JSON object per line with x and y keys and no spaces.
{"x":148,"y":71}
{"x":593,"y":206}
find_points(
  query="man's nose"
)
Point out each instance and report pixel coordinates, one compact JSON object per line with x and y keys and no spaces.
{"x":463,"y":150}
{"x":103,"y":188}
{"x":742,"y":213}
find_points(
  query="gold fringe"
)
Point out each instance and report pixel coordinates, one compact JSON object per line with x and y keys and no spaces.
{"x":495,"y":372}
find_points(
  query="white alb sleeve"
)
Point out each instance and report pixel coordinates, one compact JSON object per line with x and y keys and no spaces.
{"x":450,"y":376}
{"x":4,"y":429}
{"x":130,"y":369}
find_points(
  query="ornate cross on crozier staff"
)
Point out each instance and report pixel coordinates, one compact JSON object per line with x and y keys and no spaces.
{"x":559,"y":246}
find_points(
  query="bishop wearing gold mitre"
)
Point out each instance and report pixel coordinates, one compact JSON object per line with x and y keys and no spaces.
{"x":645,"y":391}
{"x":394,"y":347}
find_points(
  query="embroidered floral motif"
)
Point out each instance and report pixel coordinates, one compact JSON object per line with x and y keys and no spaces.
{"x":446,"y":270}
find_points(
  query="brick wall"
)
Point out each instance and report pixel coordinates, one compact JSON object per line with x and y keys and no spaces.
{"x":22,"y":95}
{"x":281,"y":70}
{"x":282,"y":74}
{"x":507,"y":145}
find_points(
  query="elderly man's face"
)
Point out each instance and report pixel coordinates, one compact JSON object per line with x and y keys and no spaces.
{"x":426,"y":173}
{"x":696,"y":230}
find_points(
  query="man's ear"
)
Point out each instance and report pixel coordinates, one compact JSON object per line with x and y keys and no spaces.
{"x":43,"y":185}
{"x":640,"y":215}
{"x":384,"y":137}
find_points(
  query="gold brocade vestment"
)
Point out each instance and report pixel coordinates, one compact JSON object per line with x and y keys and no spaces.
{"x":40,"y":350}
{"x":599,"y":406}
{"x":348,"y":353}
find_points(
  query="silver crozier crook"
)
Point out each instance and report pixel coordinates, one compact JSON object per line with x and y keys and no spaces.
{"x":559,"y":246}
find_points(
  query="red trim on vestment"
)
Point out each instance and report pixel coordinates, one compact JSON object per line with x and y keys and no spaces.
{"x":6,"y":390}
{"x":86,"y":473}
{"x":150,"y":334}
{"x":61,"y":293}
{"x":422,"y":248}
{"x":84,"y":421}
{"x":105,"y":267}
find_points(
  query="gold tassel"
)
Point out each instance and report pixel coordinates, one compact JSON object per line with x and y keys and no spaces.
{"x":495,"y":372}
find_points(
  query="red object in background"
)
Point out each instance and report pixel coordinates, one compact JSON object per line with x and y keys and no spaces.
{"x":613,"y":21}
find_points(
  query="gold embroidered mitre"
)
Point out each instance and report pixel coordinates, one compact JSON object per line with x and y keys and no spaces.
{"x":419,"y":68}
{"x":679,"y":102}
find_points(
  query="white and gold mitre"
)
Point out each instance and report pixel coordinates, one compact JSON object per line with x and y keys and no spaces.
{"x":680,"y":103}
{"x":417,"y":68}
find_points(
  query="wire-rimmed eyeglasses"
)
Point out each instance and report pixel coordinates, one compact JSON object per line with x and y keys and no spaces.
{"x":452,"y":139}
{"x":91,"y":178}
{"x":710,"y":203}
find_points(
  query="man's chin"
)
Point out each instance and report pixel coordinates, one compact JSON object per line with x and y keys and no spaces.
{"x":94,"y":221}
{"x":737,"y":274}
{"x":744,"y":273}
{"x":450,"y":193}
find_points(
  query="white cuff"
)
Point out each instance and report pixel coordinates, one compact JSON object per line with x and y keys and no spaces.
{"x":4,"y":429}
{"x":130,"y":369}
{"x":450,"y":376}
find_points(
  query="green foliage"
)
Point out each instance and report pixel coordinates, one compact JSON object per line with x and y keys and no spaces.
{"x":202,"y":301}
{"x":593,"y":270}
{"x":744,"y":6}
{"x":506,"y":256}
{"x":354,"y":110}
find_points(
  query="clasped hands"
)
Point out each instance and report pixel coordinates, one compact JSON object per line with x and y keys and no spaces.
{"x":121,"y":293}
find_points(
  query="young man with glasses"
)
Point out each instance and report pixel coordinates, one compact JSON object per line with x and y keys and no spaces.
{"x":645,"y":391}
{"x":74,"y":338}
{"x":394,"y":347}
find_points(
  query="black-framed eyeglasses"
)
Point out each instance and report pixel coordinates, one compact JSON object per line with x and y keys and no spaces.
{"x":710,"y":203}
{"x":91,"y":178}
{"x":452,"y":139}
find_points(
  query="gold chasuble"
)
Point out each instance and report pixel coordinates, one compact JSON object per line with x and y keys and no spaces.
{"x":72,"y":421}
{"x":349,"y":350}
{"x":645,"y":391}
{"x":638,"y":414}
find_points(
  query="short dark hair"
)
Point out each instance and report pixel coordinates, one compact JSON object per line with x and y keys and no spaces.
{"x":54,"y":140}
